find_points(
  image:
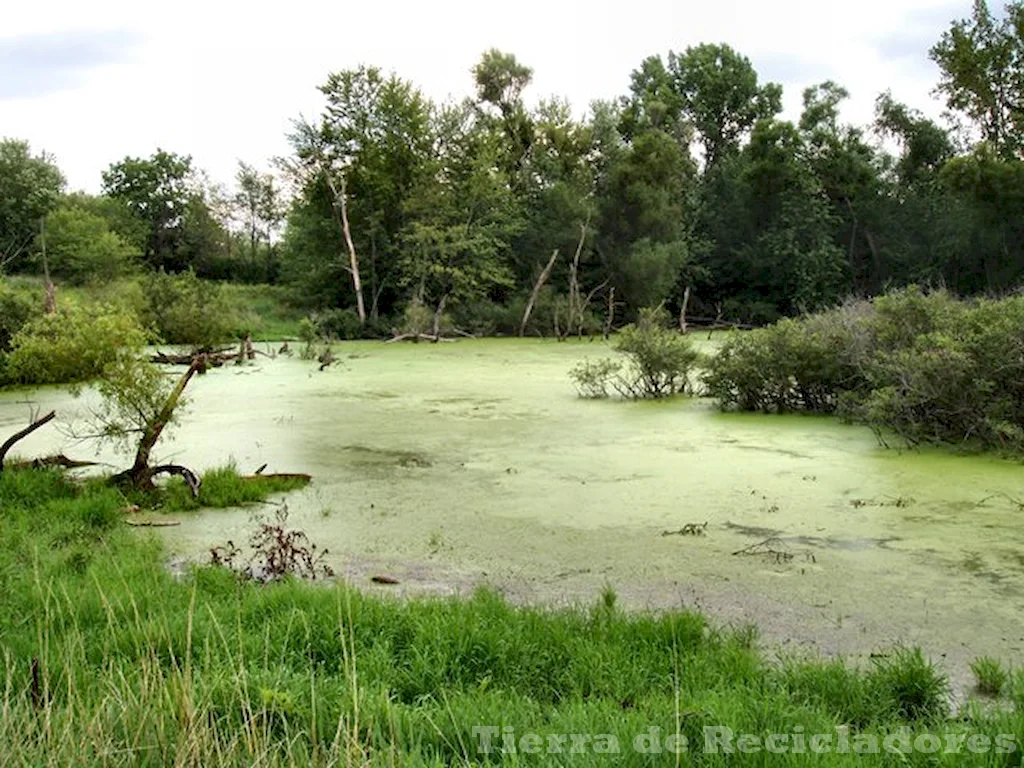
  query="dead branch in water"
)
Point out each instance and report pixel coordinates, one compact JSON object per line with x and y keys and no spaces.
{"x":21,"y":434}
{"x":690,"y":529}
{"x":774,"y":549}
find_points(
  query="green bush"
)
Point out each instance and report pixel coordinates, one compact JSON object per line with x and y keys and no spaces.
{"x":593,"y":377}
{"x":16,"y":307}
{"x":183,"y":309}
{"x":660,"y":358}
{"x":658,"y":362}
{"x":925,"y":367}
{"x":790,"y":366}
{"x":72,"y":345}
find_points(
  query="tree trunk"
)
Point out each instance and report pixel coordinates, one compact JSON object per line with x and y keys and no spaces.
{"x":682,"y":310}
{"x":437,"y":317}
{"x":9,"y":443}
{"x":353,"y":259}
{"x":544,"y":275}
{"x":50,"y":302}
{"x":140,"y":474}
{"x":610,"y":318}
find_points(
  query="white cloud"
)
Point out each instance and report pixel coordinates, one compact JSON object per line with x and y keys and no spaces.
{"x":222,"y":80}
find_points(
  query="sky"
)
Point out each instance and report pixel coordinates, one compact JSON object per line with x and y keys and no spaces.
{"x":221,"y":81}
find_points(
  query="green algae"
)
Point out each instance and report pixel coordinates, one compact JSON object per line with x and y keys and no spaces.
{"x":484,"y":445}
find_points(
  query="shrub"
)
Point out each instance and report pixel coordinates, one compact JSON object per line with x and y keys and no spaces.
{"x":926,"y":367}
{"x":15,"y":310}
{"x":660,"y":358}
{"x":658,"y":362}
{"x":72,"y":345}
{"x":183,"y":309}
{"x":593,"y":377}
{"x":793,"y":365}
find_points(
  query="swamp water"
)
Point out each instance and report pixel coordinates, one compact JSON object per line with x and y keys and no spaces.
{"x":447,"y":466}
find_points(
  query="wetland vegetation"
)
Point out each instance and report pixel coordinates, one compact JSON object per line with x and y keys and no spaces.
{"x":491,"y":551}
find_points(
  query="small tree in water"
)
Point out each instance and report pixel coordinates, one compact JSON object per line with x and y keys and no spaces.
{"x":658,"y":362}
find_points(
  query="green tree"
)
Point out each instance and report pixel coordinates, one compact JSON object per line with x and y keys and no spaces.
{"x":982,"y":65}
{"x":158,"y":190}
{"x":500,"y":81}
{"x":30,"y":187}
{"x":721,"y":96}
{"x":463,"y":217}
{"x":81,"y":247}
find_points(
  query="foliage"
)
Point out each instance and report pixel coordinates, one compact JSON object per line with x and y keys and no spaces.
{"x":926,"y":367}
{"x":16,"y":308}
{"x":593,"y":377}
{"x":30,"y":186}
{"x":659,"y":358}
{"x":982,"y":64}
{"x":658,"y":362}
{"x":133,"y":393}
{"x":183,"y":309}
{"x":74,"y":344}
{"x":81,"y":247}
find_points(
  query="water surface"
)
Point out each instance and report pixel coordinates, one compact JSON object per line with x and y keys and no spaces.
{"x":450,"y":465}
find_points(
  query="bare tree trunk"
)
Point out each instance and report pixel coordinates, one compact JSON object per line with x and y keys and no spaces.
{"x":50,"y":302}
{"x":575,"y":310}
{"x":437,"y":317}
{"x":544,"y":275}
{"x":682,"y":310}
{"x":353,"y":259}
{"x":9,"y":443}
{"x":610,"y":318}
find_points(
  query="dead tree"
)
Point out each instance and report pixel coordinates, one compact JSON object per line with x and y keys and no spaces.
{"x":610,"y":317}
{"x":21,"y":434}
{"x":438,"y":313}
{"x":544,"y":275}
{"x":682,"y":310}
{"x":59,"y":460}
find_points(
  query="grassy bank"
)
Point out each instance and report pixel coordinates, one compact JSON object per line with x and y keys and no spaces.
{"x":263,"y":310}
{"x":135,"y":666}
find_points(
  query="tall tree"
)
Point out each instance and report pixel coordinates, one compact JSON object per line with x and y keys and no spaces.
{"x":158,"y":190}
{"x":721,"y":96}
{"x":30,"y":187}
{"x":982,"y":64}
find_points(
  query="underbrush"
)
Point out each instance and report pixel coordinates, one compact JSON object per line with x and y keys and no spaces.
{"x":925,"y":367}
{"x":108,"y":658}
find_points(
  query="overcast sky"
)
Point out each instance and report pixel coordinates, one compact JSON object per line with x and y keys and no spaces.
{"x":92,"y":82}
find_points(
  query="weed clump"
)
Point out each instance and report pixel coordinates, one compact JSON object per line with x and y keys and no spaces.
{"x":278,"y":552}
{"x":989,"y":675}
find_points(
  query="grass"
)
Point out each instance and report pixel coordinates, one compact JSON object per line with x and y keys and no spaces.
{"x":267,"y":307}
{"x":137,"y":667}
{"x":990,"y":676}
{"x":224,"y":487}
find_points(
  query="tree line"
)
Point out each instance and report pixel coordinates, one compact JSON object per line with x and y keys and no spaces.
{"x":689,"y":191}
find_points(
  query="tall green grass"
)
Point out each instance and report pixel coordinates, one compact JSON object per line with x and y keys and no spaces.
{"x":137,"y":667}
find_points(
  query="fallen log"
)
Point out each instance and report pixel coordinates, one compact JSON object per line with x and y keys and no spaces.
{"x":152,"y":523}
{"x":416,"y":337}
{"x":9,"y":442}
{"x":60,"y":460}
{"x":298,"y":476}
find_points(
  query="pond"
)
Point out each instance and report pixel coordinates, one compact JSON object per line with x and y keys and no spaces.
{"x":447,"y":466}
